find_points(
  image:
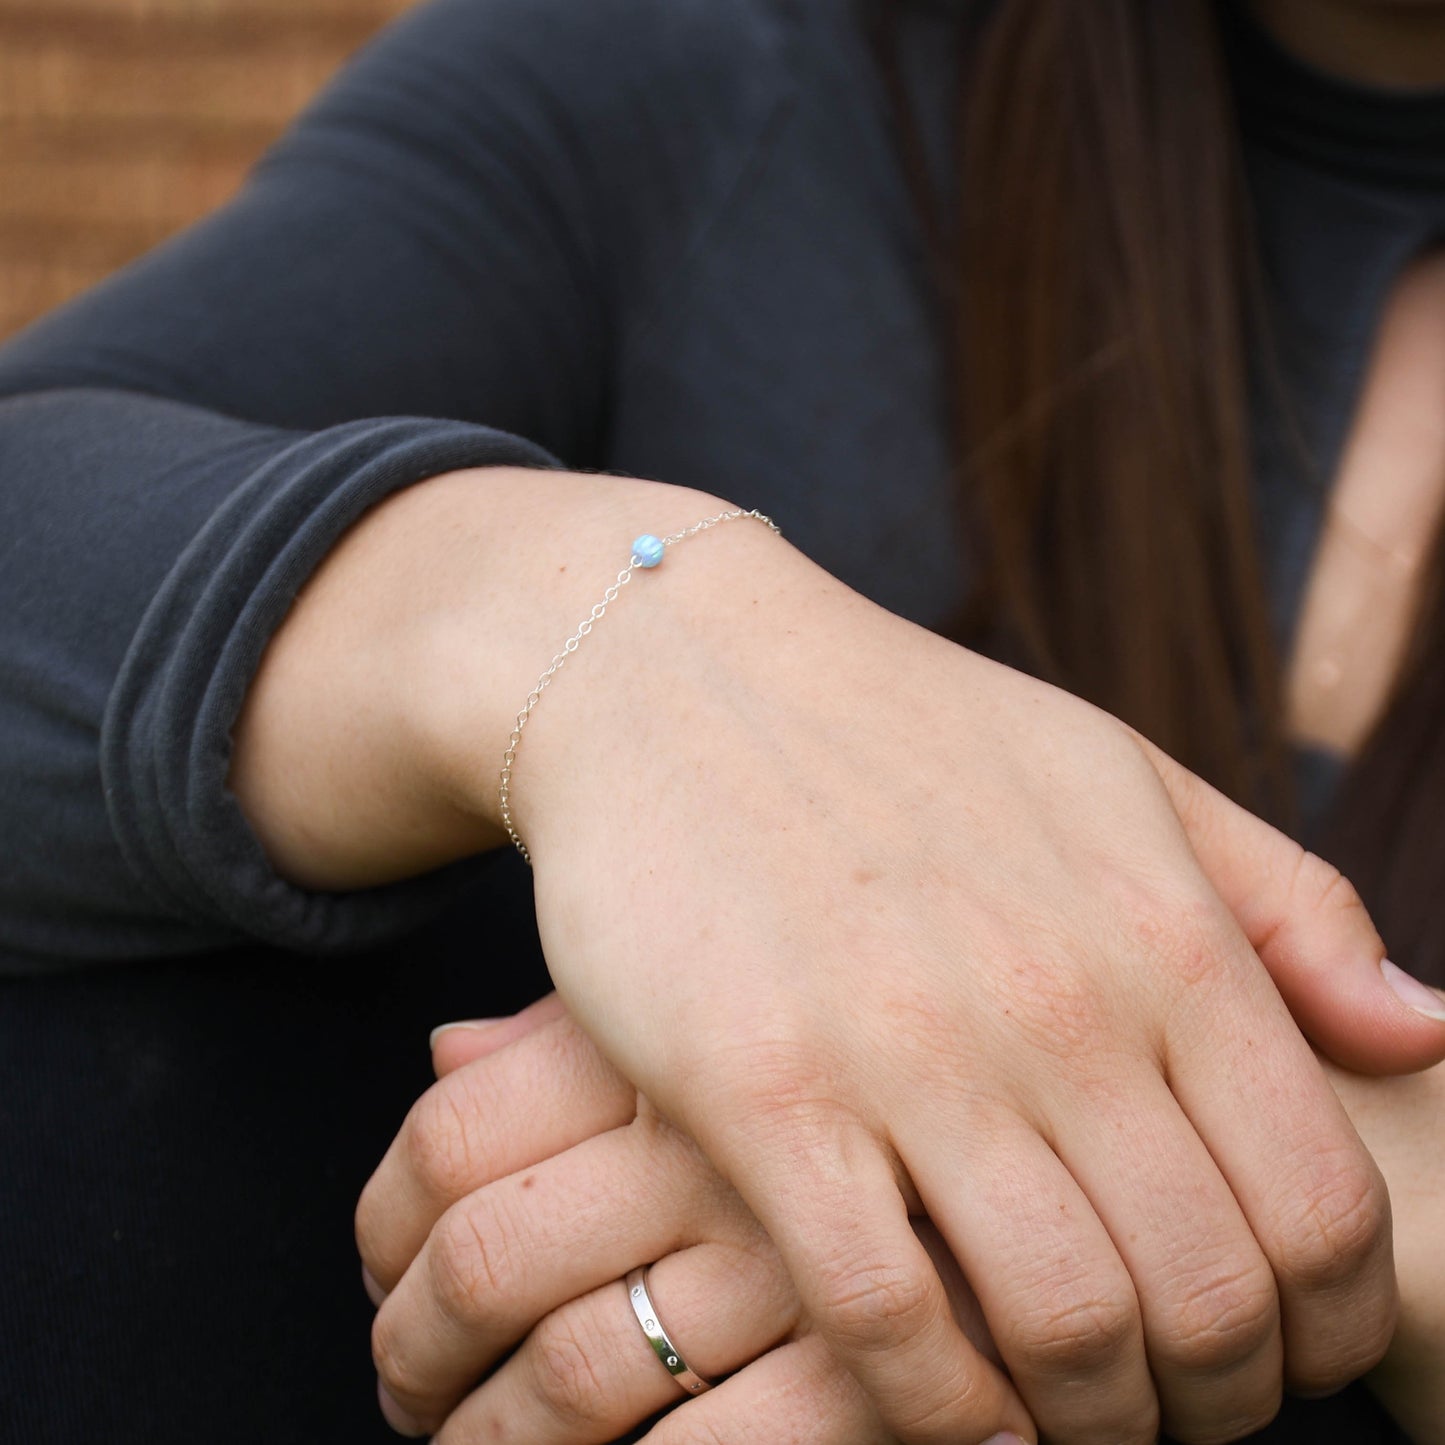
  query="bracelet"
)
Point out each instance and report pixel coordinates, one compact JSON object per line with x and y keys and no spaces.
{"x":647,"y":552}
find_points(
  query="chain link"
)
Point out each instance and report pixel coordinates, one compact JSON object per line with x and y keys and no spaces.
{"x":575,"y":641}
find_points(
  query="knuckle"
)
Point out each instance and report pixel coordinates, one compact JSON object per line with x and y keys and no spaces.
{"x":782,"y":1104}
{"x":1222,"y":1319}
{"x":1341,"y":1224}
{"x":1320,"y":888}
{"x":1183,"y":935}
{"x":440,"y":1144}
{"x":1076,"y":1333}
{"x":1200,"y":947}
{"x":395,"y":1364}
{"x":473,"y":1261}
{"x":1325,"y":887}
{"x":371,"y":1236}
{"x":564,"y":1354}
{"x":782,"y":1082}
{"x":1057,"y":1006}
{"x":386,"y":1234}
{"x":1142,"y":909}
{"x":873,"y":1307}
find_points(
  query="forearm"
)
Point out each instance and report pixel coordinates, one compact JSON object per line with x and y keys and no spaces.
{"x":372,"y":736}
{"x":153,"y":549}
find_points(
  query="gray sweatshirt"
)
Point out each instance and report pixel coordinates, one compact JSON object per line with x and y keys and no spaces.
{"x":668,"y":238}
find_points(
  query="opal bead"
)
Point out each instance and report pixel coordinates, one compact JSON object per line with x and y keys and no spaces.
{"x":647,"y":550}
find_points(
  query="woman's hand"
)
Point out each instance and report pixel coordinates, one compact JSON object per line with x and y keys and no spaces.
{"x":888,"y":928}
{"x":880,"y":925}
{"x":498,"y":1218}
{"x":585,"y":1373}
{"x":1402,"y":1122}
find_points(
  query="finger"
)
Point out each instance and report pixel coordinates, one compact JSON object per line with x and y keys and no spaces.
{"x":961,"y":1296}
{"x":1312,"y":933}
{"x":827,"y":1195}
{"x":467,"y":1040}
{"x":508,"y":1255}
{"x":1310,"y":1192}
{"x":374,"y":1292}
{"x":798,"y":1393}
{"x":1206,"y":1292}
{"x":534,"y":1099}
{"x":1058,"y":1300}
{"x":587,"y":1373}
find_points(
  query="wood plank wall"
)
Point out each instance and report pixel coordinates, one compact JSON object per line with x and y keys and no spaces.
{"x":123,"y":120}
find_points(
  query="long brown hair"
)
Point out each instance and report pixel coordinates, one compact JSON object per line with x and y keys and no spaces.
{"x":1104,"y":303}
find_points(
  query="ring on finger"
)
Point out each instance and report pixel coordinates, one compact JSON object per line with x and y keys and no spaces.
{"x":662,"y":1345}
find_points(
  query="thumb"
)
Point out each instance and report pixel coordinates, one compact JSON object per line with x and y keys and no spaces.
{"x":1311,"y":931}
{"x":468,"y":1040}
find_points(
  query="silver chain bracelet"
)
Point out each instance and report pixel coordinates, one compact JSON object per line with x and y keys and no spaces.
{"x":647,"y":552}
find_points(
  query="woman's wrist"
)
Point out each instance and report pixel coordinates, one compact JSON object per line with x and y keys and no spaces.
{"x":687,"y":638}
{"x":370,"y":744}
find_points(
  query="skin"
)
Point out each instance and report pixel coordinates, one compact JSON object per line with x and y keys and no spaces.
{"x":1093,"y":921}
{"x":529,"y":1177}
{"x":1370,"y":563}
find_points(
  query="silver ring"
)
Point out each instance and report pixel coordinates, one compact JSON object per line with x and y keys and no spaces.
{"x":667,"y":1352}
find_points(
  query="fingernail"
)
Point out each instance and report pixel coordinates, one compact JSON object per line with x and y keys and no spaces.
{"x":476,"y":1025}
{"x":1005,"y":1437}
{"x":396,"y":1417}
{"x":1418,"y":996}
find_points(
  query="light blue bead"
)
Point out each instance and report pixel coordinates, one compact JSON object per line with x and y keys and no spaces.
{"x":647,"y":550}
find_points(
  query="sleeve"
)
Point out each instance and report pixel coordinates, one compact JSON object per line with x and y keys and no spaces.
{"x":426,"y":273}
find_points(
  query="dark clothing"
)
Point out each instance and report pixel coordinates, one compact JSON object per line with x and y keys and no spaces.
{"x":669,"y":238}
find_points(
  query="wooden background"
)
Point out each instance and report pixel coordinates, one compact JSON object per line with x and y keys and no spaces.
{"x":123,"y":120}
